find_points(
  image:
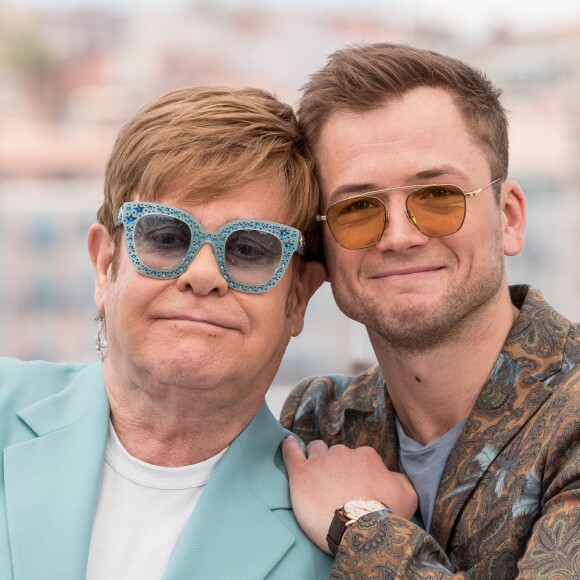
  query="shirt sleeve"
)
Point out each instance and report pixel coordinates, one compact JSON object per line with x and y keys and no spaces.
{"x":384,"y":545}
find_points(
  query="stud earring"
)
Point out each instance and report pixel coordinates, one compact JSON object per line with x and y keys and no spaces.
{"x":101,"y":337}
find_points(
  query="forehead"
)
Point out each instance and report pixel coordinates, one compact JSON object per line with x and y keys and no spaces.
{"x":421,"y":132}
{"x":264,"y":198}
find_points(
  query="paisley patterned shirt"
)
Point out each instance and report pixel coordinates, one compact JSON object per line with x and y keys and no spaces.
{"x":508,"y":504}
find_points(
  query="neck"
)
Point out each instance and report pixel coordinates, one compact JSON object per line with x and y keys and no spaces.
{"x":432,"y":391}
{"x":173,"y":426}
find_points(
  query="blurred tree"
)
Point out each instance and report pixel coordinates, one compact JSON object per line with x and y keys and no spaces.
{"x":27,"y":55}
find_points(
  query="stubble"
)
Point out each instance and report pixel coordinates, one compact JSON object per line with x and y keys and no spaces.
{"x":414,"y":329}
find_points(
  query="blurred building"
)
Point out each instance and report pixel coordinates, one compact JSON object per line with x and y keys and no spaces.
{"x":46,"y":294}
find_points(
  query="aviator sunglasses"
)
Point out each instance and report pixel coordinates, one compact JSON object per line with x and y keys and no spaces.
{"x":252,"y":255}
{"x":435,"y":210}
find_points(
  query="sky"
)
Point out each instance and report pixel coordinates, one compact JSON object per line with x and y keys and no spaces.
{"x":472,"y":17}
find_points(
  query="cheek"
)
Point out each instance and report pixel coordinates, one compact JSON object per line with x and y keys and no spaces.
{"x":482,"y":222}
{"x":342,"y":264}
{"x":121,"y":299}
{"x":121,"y":316}
{"x":331,"y":249}
{"x":478,"y":248}
{"x":128,"y":300}
{"x":269,"y":320}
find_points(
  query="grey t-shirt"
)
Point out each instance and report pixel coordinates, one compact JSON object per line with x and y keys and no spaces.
{"x":424,"y":466}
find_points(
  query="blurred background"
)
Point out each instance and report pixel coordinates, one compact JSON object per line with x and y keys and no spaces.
{"x":72,"y":71}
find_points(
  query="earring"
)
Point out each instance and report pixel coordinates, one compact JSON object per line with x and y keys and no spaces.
{"x":101,"y":337}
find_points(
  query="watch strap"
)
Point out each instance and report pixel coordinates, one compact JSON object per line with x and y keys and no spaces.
{"x":336,"y":531}
{"x":342,"y":519}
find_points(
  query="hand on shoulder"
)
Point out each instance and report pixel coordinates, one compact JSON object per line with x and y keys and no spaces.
{"x":328,"y":477}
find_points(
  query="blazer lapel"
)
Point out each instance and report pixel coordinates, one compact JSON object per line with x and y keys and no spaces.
{"x":52,"y":480}
{"x":518,"y":385}
{"x":232,"y":533}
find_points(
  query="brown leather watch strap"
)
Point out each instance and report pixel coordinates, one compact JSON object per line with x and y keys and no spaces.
{"x":346,"y":515}
{"x":336,"y":531}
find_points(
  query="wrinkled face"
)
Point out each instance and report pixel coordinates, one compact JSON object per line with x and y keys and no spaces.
{"x":194,"y":330}
{"x":411,"y":290}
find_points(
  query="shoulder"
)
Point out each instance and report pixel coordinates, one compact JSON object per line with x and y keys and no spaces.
{"x":23,"y":383}
{"x":563,"y":406}
{"x":562,"y":371}
{"x":551,"y":381}
{"x":544,"y":344}
{"x":572,"y":349}
{"x":326,"y":399}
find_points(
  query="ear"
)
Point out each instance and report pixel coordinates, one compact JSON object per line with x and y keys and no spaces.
{"x":101,"y":252}
{"x":513,"y":209}
{"x":314,"y":275}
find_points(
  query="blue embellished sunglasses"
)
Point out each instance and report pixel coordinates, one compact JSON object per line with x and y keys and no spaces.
{"x":162,"y":241}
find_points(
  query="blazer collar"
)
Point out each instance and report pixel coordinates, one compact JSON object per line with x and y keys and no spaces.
{"x":52,"y":481}
{"x":518,"y":384}
{"x":233,"y":533}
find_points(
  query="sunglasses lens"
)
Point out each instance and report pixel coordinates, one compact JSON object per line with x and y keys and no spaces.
{"x":437,"y":210}
{"x":252,"y":256}
{"x":357,"y":222}
{"x":161,"y":241}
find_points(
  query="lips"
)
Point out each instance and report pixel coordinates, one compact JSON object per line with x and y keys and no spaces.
{"x":199,"y":319}
{"x":409,"y":271}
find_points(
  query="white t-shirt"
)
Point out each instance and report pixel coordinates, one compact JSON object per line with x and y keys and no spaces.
{"x":142,"y":509}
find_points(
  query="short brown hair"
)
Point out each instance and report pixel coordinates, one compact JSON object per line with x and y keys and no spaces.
{"x":203,"y":141}
{"x":365,"y":77}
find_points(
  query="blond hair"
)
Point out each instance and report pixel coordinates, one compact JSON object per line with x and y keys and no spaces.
{"x":200,"y":142}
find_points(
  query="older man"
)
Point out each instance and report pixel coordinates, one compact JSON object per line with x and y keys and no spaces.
{"x":163,"y":461}
{"x":476,"y":396}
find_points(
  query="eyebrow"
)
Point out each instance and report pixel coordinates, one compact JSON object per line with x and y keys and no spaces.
{"x":351,"y":189}
{"x":415,"y":179}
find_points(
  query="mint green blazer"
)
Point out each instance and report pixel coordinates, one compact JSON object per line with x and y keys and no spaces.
{"x":53,"y":429}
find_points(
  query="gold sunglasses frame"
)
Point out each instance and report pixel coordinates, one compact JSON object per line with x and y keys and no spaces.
{"x":410,"y":216}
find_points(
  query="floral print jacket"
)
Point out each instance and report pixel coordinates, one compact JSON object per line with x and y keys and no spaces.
{"x":508,"y":504}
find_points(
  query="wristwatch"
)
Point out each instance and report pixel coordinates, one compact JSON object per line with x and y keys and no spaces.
{"x":346,"y":515}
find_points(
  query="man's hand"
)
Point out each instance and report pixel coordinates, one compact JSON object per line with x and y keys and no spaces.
{"x":329,"y":477}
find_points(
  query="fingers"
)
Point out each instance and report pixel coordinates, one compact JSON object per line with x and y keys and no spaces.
{"x":292,"y":453}
{"x":294,"y":456}
{"x":316,"y":448}
{"x":327,"y":477}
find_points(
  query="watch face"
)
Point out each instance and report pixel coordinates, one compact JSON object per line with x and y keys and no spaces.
{"x":356,"y":508}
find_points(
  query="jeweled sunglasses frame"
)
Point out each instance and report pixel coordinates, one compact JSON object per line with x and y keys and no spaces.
{"x":291,"y":241}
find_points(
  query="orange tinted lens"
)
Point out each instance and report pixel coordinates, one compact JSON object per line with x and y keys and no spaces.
{"x":357,"y":222}
{"x":437,"y":210}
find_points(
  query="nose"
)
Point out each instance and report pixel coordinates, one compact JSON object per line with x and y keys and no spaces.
{"x":203,"y":274}
{"x":400,"y":234}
